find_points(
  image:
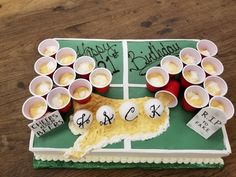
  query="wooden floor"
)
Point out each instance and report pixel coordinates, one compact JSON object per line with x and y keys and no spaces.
{"x":23,"y":24}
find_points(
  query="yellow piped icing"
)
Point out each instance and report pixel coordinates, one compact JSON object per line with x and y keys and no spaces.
{"x":194,"y":98}
{"x":218,"y":105}
{"x":37,"y":109}
{"x":192,"y":76}
{"x":100,"y":80}
{"x":66,"y":79}
{"x":81,"y":92}
{"x":213,"y":88}
{"x":97,"y":136}
{"x":67,"y":59}
{"x":42,"y":88}
{"x":209,"y":68}
{"x":156,"y":79}
{"x":188,"y":59}
{"x":47,"y":68}
{"x":171,"y":67}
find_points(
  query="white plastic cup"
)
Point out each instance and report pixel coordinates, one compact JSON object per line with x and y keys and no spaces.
{"x":47,"y":44}
{"x":215,"y":63}
{"x":220,"y":82}
{"x":191,"y":52}
{"x":201,"y":74}
{"x":64,"y":52}
{"x":37,"y":80}
{"x":51,"y":62}
{"x":59,"y":90}
{"x":84,"y":59}
{"x":104,"y":88}
{"x":208,"y":45}
{"x":152,"y":87}
{"x":173,"y":59}
{"x":175,"y":99}
{"x":30,"y":101}
{"x":228,"y":105}
{"x":80,"y":83}
{"x":198,"y":90}
{"x":58,"y":74}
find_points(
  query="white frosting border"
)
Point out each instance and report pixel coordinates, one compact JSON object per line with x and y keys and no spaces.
{"x":129,"y":159}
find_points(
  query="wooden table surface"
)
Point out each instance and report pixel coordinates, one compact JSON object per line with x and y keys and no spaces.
{"x":23,"y":24}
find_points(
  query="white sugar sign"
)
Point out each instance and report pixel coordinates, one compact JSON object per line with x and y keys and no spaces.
{"x":207,"y":121}
{"x":46,"y":123}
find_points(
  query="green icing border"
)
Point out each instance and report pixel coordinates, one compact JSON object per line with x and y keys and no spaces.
{"x":37,"y":164}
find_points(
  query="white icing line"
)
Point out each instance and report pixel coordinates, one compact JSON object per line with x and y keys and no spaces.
{"x":31,"y":141}
{"x":127,"y":142}
{"x":125,"y":70}
{"x":126,"y":40}
{"x":117,"y":85}
{"x":137,"y":85}
{"x":226,"y":140}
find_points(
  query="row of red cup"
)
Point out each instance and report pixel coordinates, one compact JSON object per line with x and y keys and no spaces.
{"x":172,"y":87}
{"x":85,"y":79}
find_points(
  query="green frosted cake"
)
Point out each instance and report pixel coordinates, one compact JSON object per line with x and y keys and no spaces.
{"x":173,"y":145}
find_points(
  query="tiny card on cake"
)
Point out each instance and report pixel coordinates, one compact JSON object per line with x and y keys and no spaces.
{"x":207,"y":121}
{"x":46,"y":124}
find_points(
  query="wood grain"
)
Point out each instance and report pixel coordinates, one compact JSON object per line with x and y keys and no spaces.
{"x":23,"y":24}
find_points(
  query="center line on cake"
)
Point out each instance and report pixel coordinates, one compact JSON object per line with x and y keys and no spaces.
{"x":127,"y":143}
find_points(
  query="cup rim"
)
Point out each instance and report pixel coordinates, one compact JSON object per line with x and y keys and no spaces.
{"x":96,"y":70}
{"x":79,"y":73}
{"x":34,"y":79}
{"x":158,"y":68}
{"x":177,"y":59}
{"x":90,"y":89}
{"x":65,"y":48}
{"x":190,"y":48}
{"x":211,"y":42}
{"x":217,"y":60}
{"x":53,"y":90}
{"x":57,"y":45}
{"x":201,"y":81}
{"x":198,"y":107}
{"x":173,"y":104}
{"x":30,"y":98}
{"x":221,"y":79}
{"x":41,"y":58}
{"x":225,"y":99}
{"x":60,"y":68}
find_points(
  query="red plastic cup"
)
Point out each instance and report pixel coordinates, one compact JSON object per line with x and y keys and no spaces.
{"x":198,"y":90}
{"x":171,"y":59}
{"x":59,"y":73}
{"x":216,"y":82}
{"x":172,"y":89}
{"x":44,"y":88}
{"x":191,"y":52}
{"x":103,"y":87}
{"x":228,"y":105}
{"x":207,"y":48}
{"x":29,"y":102}
{"x":81,"y":83}
{"x":49,"y":62}
{"x":48,"y":47}
{"x":218,"y":66}
{"x":200,"y":74}
{"x":53,"y":102}
{"x":66,"y":51}
{"x":80,"y":66}
{"x":155,"y":87}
